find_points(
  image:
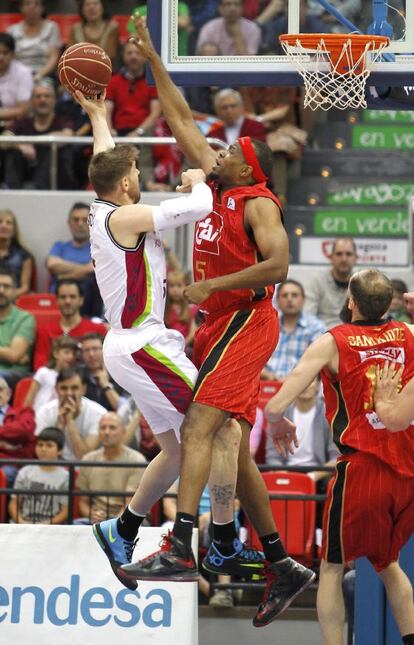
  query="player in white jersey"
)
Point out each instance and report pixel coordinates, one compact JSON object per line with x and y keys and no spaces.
{"x":144,"y":357}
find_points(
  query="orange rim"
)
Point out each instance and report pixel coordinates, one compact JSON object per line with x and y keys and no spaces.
{"x":336,"y":45}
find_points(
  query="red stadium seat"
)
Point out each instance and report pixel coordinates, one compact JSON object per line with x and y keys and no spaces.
{"x":7,"y":19}
{"x":21,"y":390}
{"x":65,"y":22}
{"x":295,"y":520}
{"x":122,"y":21}
{"x":3,"y":497}
{"x":32,"y":301}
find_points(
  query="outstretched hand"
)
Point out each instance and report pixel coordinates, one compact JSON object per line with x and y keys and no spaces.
{"x":283,"y":434}
{"x":387,"y":383}
{"x":143,"y":39}
{"x":92,"y":106}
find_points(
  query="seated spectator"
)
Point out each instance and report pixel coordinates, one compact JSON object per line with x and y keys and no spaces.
{"x":297,"y":330}
{"x":13,"y":255}
{"x":328,"y":288}
{"x":71,"y":260}
{"x":96,"y":27}
{"x":167,"y":161}
{"x":39,"y":507}
{"x":316,"y":447}
{"x":201,"y":11}
{"x":16,"y":84}
{"x":69,"y":300}
{"x":100,"y":386}
{"x":398,"y":310}
{"x":75,"y":415}
{"x":113,"y":449}
{"x":179,"y":314}
{"x":26,"y":162}
{"x":38,"y":41}
{"x":17,"y":428}
{"x":233,"y":34}
{"x":17,"y":332}
{"x":63,"y":354}
{"x":229,"y":107}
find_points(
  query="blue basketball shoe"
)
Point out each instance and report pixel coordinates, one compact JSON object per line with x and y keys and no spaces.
{"x":116,"y":548}
{"x":244,"y":561}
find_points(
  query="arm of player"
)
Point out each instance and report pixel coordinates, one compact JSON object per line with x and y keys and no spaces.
{"x":171,"y":213}
{"x":396,"y":410}
{"x":175,"y":108}
{"x":96,"y":110}
{"x":264,"y":219}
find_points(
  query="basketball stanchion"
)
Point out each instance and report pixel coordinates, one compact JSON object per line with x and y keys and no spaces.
{"x":334,"y":67}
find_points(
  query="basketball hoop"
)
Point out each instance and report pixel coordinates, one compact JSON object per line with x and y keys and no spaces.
{"x":334,"y":67}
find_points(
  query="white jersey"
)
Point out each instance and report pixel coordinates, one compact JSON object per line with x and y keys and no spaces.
{"x":132,"y":282}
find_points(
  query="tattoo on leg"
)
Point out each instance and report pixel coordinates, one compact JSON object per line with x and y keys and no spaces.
{"x":222,"y":495}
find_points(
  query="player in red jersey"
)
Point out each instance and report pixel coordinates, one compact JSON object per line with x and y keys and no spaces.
{"x":370,"y":506}
{"x":240,"y":252}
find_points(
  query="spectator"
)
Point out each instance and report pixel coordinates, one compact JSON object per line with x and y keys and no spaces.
{"x":13,"y":255}
{"x":17,"y":332}
{"x":27,"y":162}
{"x":43,"y":387}
{"x":36,"y":507}
{"x":17,"y":427}
{"x":201,"y":11}
{"x":16,"y":84}
{"x":316,"y":447}
{"x":179,"y":314}
{"x":327,"y":290}
{"x":297,"y":330}
{"x":233,"y":34}
{"x":97,"y":508}
{"x":73,"y":413}
{"x":132,"y":105}
{"x":398,"y":310}
{"x":72,"y":260}
{"x":167,"y":161}
{"x":96,"y":27}
{"x":229,"y":107}
{"x":274,"y":28}
{"x":69,"y":300}
{"x":100,"y":387}
{"x":37,"y":40}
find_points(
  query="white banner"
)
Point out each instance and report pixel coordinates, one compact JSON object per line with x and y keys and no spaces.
{"x":57,"y":588}
{"x":370,"y":252}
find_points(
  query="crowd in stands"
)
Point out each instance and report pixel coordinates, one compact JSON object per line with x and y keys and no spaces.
{"x":32,"y":102}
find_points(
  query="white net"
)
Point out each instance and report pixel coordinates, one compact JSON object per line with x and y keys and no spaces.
{"x":329,"y":84}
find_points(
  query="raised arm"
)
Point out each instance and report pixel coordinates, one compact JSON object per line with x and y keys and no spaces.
{"x":96,"y":110}
{"x":175,"y":108}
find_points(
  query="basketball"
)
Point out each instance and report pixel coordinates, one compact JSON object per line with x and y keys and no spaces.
{"x":85,"y":67}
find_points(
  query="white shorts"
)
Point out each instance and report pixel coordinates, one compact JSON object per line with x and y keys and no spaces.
{"x":159,"y":376}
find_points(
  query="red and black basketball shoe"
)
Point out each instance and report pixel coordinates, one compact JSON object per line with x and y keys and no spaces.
{"x":174,"y":561}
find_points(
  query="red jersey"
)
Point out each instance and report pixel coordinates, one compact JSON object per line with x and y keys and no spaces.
{"x":349,"y":394}
{"x":222,"y":246}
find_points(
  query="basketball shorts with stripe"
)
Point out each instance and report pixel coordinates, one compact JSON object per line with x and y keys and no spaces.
{"x":369,"y":512}
{"x":231,"y":352}
{"x":158,"y":375}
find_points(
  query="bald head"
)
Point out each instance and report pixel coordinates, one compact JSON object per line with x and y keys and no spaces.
{"x":371,"y":291}
{"x":111,"y":430}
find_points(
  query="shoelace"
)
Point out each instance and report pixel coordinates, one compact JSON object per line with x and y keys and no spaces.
{"x":165,"y":545}
{"x":129,"y":549}
{"x":248,"y":553}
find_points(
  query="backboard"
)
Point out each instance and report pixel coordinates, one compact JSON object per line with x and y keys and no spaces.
{"x":269,"y":66}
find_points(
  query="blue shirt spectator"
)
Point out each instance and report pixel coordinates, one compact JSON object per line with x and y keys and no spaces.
{"x":297,"y":330}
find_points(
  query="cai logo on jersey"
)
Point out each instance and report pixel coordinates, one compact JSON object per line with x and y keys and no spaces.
{"x":208,"y":233}
{"x":394,"y":354}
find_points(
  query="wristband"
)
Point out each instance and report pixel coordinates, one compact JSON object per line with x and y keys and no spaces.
{"x":175,"y":212}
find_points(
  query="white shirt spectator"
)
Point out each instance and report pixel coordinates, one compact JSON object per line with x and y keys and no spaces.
{"x":46,"y":378}
{"x":86,"y":422}
{"x":15,"y":85}
{"x":34,"y":51}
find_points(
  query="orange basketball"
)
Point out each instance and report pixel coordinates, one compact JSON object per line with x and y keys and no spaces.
{"x":85,"y":67}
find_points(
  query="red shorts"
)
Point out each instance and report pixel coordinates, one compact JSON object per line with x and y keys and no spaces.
{"x":369,"y":512}
{"x":230,"y":352}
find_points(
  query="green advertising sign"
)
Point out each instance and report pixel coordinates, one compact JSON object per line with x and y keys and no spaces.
{"x":379,"y":137}
{"x":380,"y":194}
{"x":390,"y":223}
{"x":388,"y":116}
